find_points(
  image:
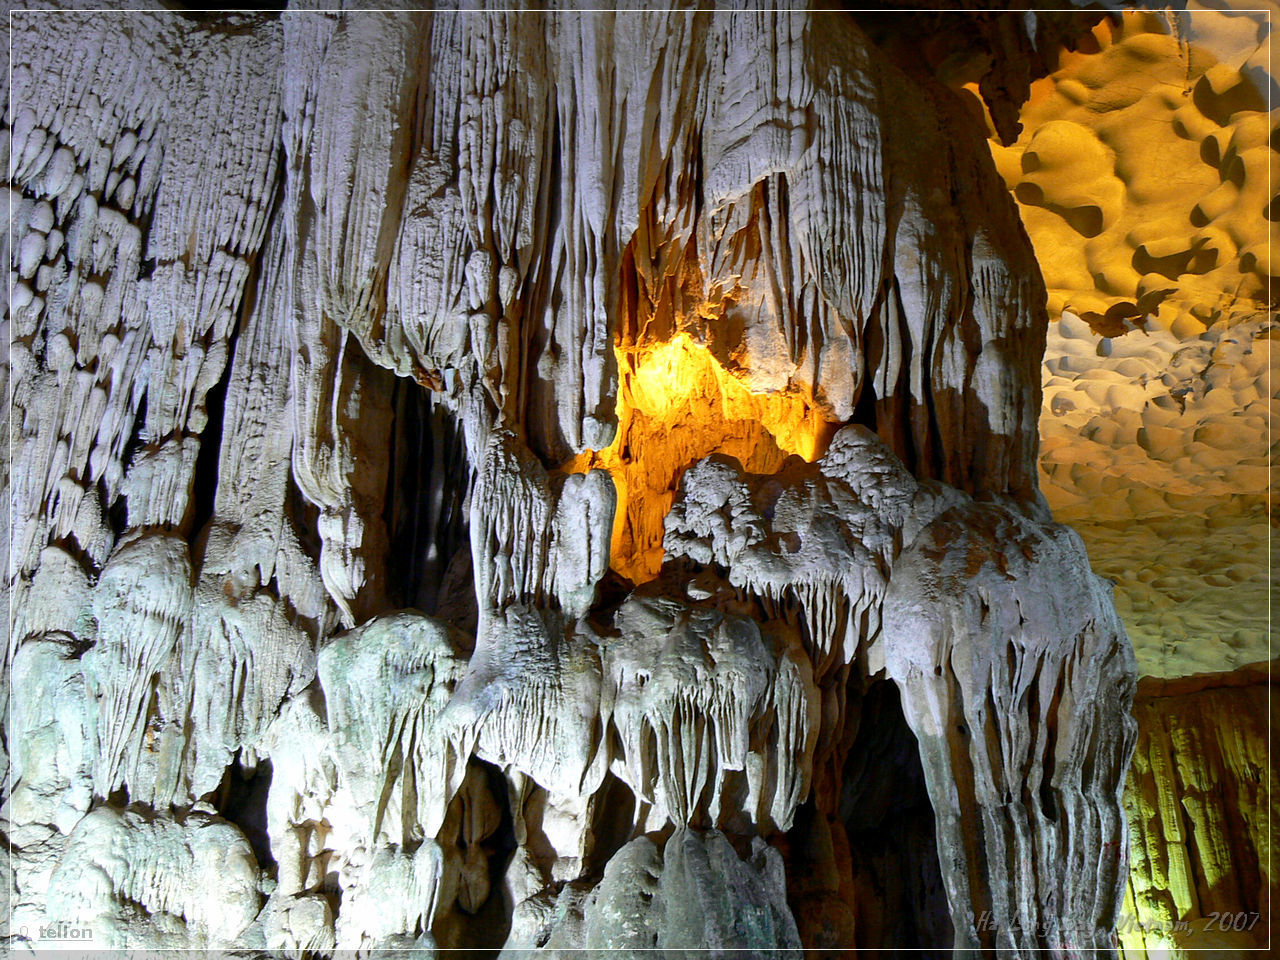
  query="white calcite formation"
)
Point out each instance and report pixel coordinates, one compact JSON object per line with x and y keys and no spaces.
{"x":321,"y":639}
{"x":708,"y":706}
{"x":1011,"y":660}
{"x":141,"y":879}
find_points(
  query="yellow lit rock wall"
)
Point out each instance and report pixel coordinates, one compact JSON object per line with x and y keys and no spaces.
{"x":676,"y":405}
{"x":1200,"y":797}
{"x":1141,"y":171}
{"x":1141,"y":176}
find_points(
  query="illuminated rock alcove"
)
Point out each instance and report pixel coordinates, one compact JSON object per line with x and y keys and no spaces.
{"x":540,"y":480}
{"x":676,"y":406}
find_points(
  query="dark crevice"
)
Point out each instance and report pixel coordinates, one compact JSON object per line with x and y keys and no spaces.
{"x":864,"y":411}
{"x":228,"y":21}
{"x":204,"y":484}
{"x":612,"y":810}
{"x":885,"y":810}
{"x":117,"y":509}
{"x":482,"y":934}
{"x":304,"y":517}
{"x":118,"y":798}
{"x":428,"y":484}
{"x":241,"y":798}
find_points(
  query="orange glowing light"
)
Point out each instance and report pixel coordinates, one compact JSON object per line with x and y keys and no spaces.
{"x":676,"y":405}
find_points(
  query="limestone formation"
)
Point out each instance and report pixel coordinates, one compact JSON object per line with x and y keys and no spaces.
{"x":1200,"y":797}
{"x":513,"y":479}
{"x":1158,"y":372}
{"x":1158,"y":381}
{"x":1011,"y":658}
{"x":147,"y":880}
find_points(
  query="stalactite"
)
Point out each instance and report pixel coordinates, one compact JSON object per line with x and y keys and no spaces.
{"x":728,"y":339}
{"x":1010,"y":659}
{"x":413,"y":665}
{"x":697,"y":696}
{"x":535,"y":540}
{"x":142,"y":603}
{"x":531,"y":699}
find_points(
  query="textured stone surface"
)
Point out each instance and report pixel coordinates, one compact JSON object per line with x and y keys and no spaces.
{"x":1141,"y":174}
{"x":140,"y":880}
{"x":1091,"y":168}
{"x":1011,"y":662}
{"x":694,"y":890}
{"x":316,"y":316}
{"x":1158,"y":387}
{"x":1157,"y":454}
{"x":1200,"y":799}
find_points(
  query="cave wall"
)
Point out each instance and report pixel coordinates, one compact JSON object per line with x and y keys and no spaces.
{"x":318,"y":317}
{"x":1141,"y":172}
{"x":1201,"y":801}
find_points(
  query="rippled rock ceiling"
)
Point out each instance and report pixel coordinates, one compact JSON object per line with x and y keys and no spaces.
{"x":562,"y":480}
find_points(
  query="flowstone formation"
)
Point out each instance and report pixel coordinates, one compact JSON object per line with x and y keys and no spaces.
{"x":536,"y":480}
{"x":1200,"y":799}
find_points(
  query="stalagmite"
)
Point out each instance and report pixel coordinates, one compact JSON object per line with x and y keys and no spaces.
{"x":49,"y":766}
{"x":534,"y":540}
{"x":151,"y":882}
{"x":530,"y":700}
{"x":397,"y":902}
{"x":242,"y":660}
